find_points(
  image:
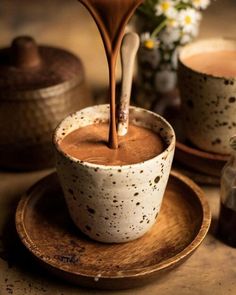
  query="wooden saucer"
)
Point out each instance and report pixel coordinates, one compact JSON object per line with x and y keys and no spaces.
{"x":45,"y":228}
{"x":208,"y":164}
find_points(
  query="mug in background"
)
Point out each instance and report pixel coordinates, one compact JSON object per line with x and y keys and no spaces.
{"x":114,"y":203}
{"x":208,"y":102}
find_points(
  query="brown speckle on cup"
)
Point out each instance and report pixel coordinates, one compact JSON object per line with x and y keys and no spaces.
{"x":111,"y":201}
{"x":208,"y":102}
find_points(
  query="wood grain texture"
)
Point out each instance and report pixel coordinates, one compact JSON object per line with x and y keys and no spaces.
{"x":45,"y":228}
{"x":201,"y":161}
{"x":212,"y":268}
{"x":198,"y":177}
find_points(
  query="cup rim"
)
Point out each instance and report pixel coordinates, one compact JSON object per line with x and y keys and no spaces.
{"x":164,"y":154}
{"x":205,"y":41}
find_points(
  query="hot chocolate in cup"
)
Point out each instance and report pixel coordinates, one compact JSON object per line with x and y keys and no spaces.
{"x":114,"y":203}
{"x":207,"y":83}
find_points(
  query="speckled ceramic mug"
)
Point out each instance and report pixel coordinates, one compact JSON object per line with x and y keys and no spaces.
{"x":208,"y":102}
{"x":114,"y":203}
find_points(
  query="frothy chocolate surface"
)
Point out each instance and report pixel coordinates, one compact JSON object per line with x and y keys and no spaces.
{"x":219,"y":63}
{"x":90,"y":144}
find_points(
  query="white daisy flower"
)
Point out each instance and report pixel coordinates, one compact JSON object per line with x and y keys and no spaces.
{"x":173,"y":20}
{"x":200,"y":4}
{"x":165,"y":7}
{"x":169,"y":36}
{"x":165,"y":81}
{"x":185,"y":38}
{"x":172,"y":23}
{"x":188,"y":19}
{"x":148,"y":41}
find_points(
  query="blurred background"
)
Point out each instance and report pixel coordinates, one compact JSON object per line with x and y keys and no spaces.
{"x":66,"y":23}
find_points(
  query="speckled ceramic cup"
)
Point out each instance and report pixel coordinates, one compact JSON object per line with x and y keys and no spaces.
{"x":208,"y":102}
{"x":114,"y":203}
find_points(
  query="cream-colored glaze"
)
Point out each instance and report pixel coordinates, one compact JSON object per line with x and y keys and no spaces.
{"x":119,"y":203}
{"x":208,"y":102}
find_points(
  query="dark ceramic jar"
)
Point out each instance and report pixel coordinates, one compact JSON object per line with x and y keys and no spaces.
{"x":39,"y":86}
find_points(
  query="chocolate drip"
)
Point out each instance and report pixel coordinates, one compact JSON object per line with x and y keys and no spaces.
{"x":111,"y":17}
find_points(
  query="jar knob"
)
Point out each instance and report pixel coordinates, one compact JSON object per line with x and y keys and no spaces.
{"x":25,"y":53}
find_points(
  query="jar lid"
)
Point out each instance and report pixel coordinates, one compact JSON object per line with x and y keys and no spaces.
{"x":26,"y":66}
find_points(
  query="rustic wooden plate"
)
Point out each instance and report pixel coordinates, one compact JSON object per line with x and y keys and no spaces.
{"x":198,"y":177}
{"x":45,"y":228}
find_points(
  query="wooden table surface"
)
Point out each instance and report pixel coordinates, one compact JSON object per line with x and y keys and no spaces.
{"x":212,"y":268}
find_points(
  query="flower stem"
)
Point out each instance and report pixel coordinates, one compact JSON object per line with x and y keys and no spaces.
{"x":182,"y":6}
{"x":159,"y":28}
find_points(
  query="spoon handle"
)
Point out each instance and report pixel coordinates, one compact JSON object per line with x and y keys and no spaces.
{"x":129,"y":48}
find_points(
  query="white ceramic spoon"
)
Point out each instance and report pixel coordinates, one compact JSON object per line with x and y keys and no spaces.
{"x":129,"y":48}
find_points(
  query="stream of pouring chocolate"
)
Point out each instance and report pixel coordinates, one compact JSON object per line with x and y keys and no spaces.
{"x":111,"y":17}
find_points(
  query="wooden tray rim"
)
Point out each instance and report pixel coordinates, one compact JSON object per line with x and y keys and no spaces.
{"x":138,"y":272}
{"x":200,"y":153}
